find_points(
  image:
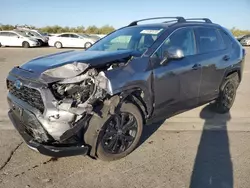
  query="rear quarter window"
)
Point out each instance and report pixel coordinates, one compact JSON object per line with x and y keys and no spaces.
{"x":226,"y":39}
{"x":207,"y":39}
{"x":4,"y":34}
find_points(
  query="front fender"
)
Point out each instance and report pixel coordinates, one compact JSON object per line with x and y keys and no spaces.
{"x":135,"y":75}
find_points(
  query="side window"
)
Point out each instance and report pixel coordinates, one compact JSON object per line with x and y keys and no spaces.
{"x":74,"y":36}
{"x":12,"y":34}
{"x":183,"y":39}
{"x":207,"y":39}
{"x":4,"y":34}
{"x":64,"y":35}
{"x":227,"y":40}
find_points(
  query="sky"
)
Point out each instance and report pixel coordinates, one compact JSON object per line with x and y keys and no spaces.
{"x":118,"y":13}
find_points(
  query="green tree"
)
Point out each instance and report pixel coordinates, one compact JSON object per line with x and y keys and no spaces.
{"x":106,"y":29}
{"x":237,"y":32}
{"x":92,"y":30}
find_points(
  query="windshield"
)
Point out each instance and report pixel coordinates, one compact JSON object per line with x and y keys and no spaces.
{"x":33,"y":34}
{"x":42,"y":33}
{"x":22,"y":33}
{"x":137,"y":38}
{"x":36,"y":33}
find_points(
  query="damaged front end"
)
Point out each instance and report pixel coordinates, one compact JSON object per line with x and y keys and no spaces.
{"x":56,"y":114}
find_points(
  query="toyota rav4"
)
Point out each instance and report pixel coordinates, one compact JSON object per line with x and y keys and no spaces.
{"x":96,"y":102}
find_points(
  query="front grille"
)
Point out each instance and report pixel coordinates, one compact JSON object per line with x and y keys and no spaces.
{"x":28,"y":95}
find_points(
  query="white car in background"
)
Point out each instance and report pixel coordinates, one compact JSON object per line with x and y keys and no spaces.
{"x":75,"y":40}
{"x":40,"y":36}
{"x":16,"y":38}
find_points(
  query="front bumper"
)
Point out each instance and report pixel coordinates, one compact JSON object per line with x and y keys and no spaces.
{"x":34,"y":44}
{"x":42,"y":128}
{"x":50,"y":150}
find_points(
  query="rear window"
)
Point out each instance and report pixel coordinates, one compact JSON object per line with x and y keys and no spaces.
{"x":4,"y":34}
{"x":207,"y":39}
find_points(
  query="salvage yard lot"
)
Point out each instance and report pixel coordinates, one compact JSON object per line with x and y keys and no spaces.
{"x":194,"y":149}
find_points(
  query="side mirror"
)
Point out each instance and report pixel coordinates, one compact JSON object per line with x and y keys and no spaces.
{"x":172,"y":53}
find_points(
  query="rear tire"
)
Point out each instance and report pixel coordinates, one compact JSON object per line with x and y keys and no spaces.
{"x":58,"y":45}
{"x":227,"y":94}
{"x":126,"y":136}
{"x":26,"y":44}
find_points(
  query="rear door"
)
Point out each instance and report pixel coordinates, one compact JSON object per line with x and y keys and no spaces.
{"x":11,"y":39}
{"x":213,"y":56}
{"x":65,"y":39}
{"x":176,"y":83}
{"x":77,"y":41}
{"x":4,"y":38}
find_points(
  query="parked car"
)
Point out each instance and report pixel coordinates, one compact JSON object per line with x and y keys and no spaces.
{"x":40,"y":36}
{"x":242,"y":37}
{"x":97,"y":101}
{"x":245,"y":41}
{"x":16,"y":38}
{"x":75,"y":40}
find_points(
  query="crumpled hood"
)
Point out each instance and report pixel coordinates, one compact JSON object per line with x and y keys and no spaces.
{"x":93,"y":58}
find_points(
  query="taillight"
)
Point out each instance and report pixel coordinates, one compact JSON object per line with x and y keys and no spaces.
{"x":244,"y":52}
{"x":8,"y":84}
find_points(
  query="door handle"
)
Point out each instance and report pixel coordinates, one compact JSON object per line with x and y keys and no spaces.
{"x":226,"y":58}
{"x":196,"y":66}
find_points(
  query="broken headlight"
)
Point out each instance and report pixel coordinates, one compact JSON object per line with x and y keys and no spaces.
{"x":104,"y":83}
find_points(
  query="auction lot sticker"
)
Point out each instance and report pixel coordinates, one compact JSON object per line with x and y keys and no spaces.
{"x":151,"y":32}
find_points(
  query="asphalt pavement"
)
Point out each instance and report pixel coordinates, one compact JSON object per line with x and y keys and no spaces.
{"x":196,"y":149}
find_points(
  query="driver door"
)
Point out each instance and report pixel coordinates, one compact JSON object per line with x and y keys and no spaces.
{"x":176,"y":81}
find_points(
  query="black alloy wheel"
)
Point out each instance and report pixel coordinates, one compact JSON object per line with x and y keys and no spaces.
{"x":227,"y":94}
{"x":120,"y":133}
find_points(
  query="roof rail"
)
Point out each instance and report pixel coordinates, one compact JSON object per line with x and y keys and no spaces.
{"x":178,"y":18}
{"x":204,"y":19}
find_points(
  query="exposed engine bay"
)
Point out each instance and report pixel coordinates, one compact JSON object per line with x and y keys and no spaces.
{"x":77,"y":95}
{"x":80,"y":94}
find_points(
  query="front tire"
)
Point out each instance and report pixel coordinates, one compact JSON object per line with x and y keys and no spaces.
{"x":227,"y":94}
{"x":26,"y":44}
{"x":58,"y":45}
{"x":87,"y":45}
{"x":121,"y":133}
{"x":41,"y":43}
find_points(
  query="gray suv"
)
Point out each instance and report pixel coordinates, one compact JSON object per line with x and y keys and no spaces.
{"x":96,"y":102}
